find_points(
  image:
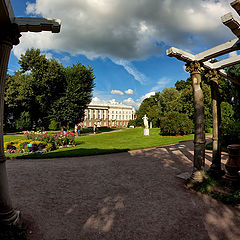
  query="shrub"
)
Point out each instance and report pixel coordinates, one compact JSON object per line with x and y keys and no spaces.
{"x":175,"y":123}
{"x":57,"y":139}
{"x":49,"y":147}
{"x":231,"y":132}
{"x":24,"y":122}
{"x":54,"y":125}
{"x":132,"y":123}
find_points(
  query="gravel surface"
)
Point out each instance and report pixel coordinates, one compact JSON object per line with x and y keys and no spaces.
{"x":134,"y":195}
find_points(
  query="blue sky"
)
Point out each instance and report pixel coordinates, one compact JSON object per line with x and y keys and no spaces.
{"x":125,"y":41}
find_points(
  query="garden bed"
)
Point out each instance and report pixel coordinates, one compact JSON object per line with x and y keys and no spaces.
{"x":36,"y":142}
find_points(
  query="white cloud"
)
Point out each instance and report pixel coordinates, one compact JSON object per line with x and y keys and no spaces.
{"x":118,"y":92}
{"x":65,"y":59}
{"x":129,"y":92}
{"x":128,"y":66}
{"x":184,"y":68}
{"x":127,"y":29}
{"x":97,"y":100}
{"x":233,"y":54}
{"x":132,"y":103}
{"x":129,"y":101}
{"x":136,"y":104}
{"x":163,"y":82}
{"x":48,"y":55}
{"x":147,"y":95}
{"x":113,"y":101}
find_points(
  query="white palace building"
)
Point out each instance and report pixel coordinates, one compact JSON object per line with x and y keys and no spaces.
{"x":108,"y":115}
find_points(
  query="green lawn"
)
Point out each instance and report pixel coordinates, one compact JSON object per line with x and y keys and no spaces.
{"x":127,"y":139}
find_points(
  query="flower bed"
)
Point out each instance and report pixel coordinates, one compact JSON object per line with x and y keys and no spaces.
{"x":40,"y":142}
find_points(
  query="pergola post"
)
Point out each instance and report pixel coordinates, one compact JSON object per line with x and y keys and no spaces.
{"x":215,"y":168}
{"x":9,"y":36}
{"x":195,"y":69}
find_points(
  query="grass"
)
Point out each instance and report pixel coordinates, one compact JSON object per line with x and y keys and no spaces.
{"x":8,"y":138}
{"x":125,"y":140}
{"x":219,"y":190}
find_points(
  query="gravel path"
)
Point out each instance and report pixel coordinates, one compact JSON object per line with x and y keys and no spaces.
{"x":134,"y":195}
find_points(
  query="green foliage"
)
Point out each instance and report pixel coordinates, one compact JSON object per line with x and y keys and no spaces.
{"x":150,"y":107}
{"x":230,"y":126}
{"x":131,"y":123}
{"x":24,"y":122}
{"x":233,"y":90}
{"x":205,"y":186}
{"x":47,"y":90}
{"x":227,"y":195}
{"x":231,"y":132}
{"x":175,"y":104}
{"x":54,"y":125}
{"x":180,"y":85}
{"x":227,"y":113}
{"x":175,"y":123}
{"x":158,"y":105}
{"x":227,"y":198}
{"x":69,"y":109}
{"x":56,"y":138}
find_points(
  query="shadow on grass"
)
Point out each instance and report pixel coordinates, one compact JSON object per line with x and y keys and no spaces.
{"x":80,"y":152}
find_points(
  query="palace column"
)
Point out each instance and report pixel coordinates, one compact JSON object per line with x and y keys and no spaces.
{"x":215,"y":168}
{"x":9,"y":36}
{"x":195,"y":69}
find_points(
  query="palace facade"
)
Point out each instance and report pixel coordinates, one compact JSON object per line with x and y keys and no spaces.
{"x":109,"y":115}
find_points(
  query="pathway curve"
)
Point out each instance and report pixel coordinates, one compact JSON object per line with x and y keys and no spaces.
{"x":132,"y":195}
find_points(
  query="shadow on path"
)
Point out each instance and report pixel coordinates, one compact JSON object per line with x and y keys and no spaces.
{"x":130,"y":195}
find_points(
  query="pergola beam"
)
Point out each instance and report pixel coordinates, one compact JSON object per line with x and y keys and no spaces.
{"x":236,"y":6}
{"x":226,"y":62}
{"x":180,"y":54}
{"x":232,"y":22}
{"x":223,"y":73}
{"x":217,"y":51}
{"x":38,"y":24}
{"x":6,"y":11}
{"x":208,"y":54}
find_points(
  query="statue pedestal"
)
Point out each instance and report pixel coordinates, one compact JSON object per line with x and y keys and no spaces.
{"x":146,"y":132}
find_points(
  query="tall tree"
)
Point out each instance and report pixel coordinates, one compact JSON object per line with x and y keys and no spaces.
{"x":46,"y":91}
{"x":69,"y":109}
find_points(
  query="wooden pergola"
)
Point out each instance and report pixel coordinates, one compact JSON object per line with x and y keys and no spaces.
{"x":195,"y":64}
{"x":10,"y":32}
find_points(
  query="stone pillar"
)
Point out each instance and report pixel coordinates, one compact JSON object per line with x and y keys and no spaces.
{"x":215,"y":168}
{"x":195,"y":69}
{"x":9,"y":36}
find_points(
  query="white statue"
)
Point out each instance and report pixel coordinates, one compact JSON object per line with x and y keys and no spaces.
{"x":145,"y":121}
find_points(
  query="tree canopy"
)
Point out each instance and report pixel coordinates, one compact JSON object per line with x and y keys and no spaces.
{"x":43,"y":91}
{"x":173,"y":107}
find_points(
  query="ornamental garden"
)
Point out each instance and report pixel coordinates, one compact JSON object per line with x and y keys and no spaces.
{"x":40,"y":142}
